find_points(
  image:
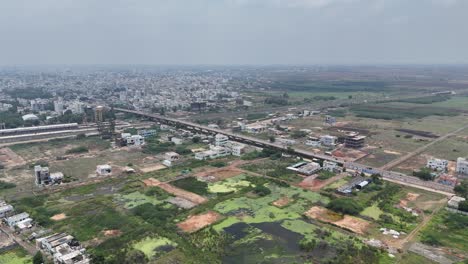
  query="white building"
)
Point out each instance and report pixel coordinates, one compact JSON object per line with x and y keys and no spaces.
{"x":58,"y":107}
{"x":462,"y":166}
{"x":213,"y":153}
{"x":30,"y":117}
{"x":328,"y":140}
{"x":454,"y":201}
{"x":170,"y":158}
{"x":12,"y":221}
{"x":437,"y":164}
{"x":237,"y":149}
{"x":177,"y":141}
{"x":221,"y":140}
{"x":103,"y":170}
{"x":5,"y":210}
{"x":135,"y":140}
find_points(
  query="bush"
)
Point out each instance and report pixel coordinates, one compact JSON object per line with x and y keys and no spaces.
{"x":261,"y":190}
{"x":6,"y":185}
{"x":218,"y":164}
{"x":345,"y":206}
{"x":424,"y":174}
{"x":323,"y":175}
{"x":181,"y":150}
{"x":80,"y":149}
{"x":192,"y":185}
{"x":298,"y":134}
{"x":463,"y":206}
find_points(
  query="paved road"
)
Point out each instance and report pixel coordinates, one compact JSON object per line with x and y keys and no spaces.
{"x":406,"y":157}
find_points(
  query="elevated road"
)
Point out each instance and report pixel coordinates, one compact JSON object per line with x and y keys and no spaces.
{"x":387,"y":175}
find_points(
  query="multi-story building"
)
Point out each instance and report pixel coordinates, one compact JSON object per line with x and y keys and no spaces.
{"x":462,"y":166}
{"x":221,"y":140}
{"x":354,"y":141}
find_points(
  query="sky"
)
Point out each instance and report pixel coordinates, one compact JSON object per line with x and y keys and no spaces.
{"x":233,"y":32}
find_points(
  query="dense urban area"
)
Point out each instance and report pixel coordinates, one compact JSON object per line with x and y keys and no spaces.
{"x":234,"y":164}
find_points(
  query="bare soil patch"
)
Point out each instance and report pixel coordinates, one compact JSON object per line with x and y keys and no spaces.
{"x":58,"y":217}
{"x":192,"y":197}
{"x":153,"y":168}
{"x":221,"y":173}
{"x":282,"y":202}
{"x":112,"y":232}
{"x":196,"y":222}
{"x":351,"y":223}
{"x":354,"y":224}
{"x":10,"y":159}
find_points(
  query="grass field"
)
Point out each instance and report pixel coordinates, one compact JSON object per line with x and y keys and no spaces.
{"x":15,"y":256}
{"x":447,"y":229}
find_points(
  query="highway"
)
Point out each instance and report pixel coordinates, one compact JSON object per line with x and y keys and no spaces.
{"x":386,"y":174}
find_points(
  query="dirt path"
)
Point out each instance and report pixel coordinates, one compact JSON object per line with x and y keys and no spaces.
{"x":31,"y":249}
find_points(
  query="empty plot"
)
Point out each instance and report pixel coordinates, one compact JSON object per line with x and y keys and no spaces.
{"x":196,"y":222}
{"x":192,"y":197}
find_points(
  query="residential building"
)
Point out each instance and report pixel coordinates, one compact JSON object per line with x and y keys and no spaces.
{"x":12,"y":221}
{"x":30,"y":117}
{"x":306,"y":168}
{"x":462,"y":166}
{"x":328,"y":140}
{"x":6,"y":210}
{"x":177,"y":141}
{"x":170,"y":158}
{"x":42,"y":175}
{"x":454,"y":201}
{"x":64,"y":249}
{"x":221,"y":140}
{"x":437,"y":164}
{"x":354,"y":141}
{"x":135,"y":140}
{"x":237,"y":149}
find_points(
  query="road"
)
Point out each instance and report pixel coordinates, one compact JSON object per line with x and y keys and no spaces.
{"x":419,"y":150}
{"x":27,"y":246}
{"x":387,"y":175}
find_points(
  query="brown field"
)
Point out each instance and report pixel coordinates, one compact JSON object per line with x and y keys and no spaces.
{"x":112,"y":232}
{"x":282,"y":202}
{"x":196,"y":222}
{"x":10,"y":159}
{"x":192,"y":197}
{"x":313,"y":184}
{"x":58,"y":217}
{"x":351,"y":223}
{"x":152,"y":168}
{"x":354,"y":224}
{"x":220,"y":173}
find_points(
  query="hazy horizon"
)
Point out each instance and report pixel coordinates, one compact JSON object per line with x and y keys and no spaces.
{"x":234,"y":32}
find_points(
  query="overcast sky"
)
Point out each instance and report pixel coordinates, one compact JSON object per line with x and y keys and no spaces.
{"x":233,"y":31}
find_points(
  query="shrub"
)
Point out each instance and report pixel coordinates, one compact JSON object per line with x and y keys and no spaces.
{"x":261,"y":190}
{"x":345,"y":206}
{"x":80,"y":149}
{"x":192,"y":185}
{"x":6,"y":185}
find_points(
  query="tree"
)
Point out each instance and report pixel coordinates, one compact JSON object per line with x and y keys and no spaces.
{"x":462,"y":189}
{"x":135,"y":257}
{"x":196,"y":140}
{"x":38,"y":259}
{"x":463,"y":206}
{"x":272,"y":139}
{"x":345,"y":206}
{"x":424,"y":174}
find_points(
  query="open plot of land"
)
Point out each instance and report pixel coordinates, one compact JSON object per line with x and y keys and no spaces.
{"x":153,"y":168}
{"x":229,"y":185}
{"x":10,"y":159}
{"x":220,"y":173}
{"x":195,"y":198}
{"x":351,"y":223}
{"x":196,"y":222}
